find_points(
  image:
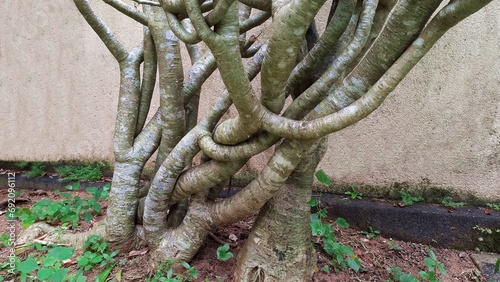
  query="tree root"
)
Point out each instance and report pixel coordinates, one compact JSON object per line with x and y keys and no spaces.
{"x":58,"y":235}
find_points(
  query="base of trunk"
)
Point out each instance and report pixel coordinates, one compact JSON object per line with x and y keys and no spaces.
{"x":279,"y":247}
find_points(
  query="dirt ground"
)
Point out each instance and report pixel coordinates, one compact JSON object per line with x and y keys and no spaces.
{"x":376,"y":254}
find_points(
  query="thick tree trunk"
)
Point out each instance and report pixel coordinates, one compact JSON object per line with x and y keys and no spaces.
{"x":279,"y":247}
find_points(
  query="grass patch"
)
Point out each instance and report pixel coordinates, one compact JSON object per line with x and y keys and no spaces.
{"x":90,"y":172}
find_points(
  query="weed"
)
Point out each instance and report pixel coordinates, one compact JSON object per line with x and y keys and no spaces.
{"x":91,"y":172}
{"x":394,"y":247}
{"x":5,"y":239}
{"x":354,"y":195}
{"x":493,"y":206}
{"x":22,"y":165}
{"x":323,"y":178}
{"x":408,"y":199}
{"x":97,"y":253}
{"x":371,"y":233}
{"x":431,"y":274}
{"x":223,"y":252}
{"x":448,"y":202}
{"x":37,"y":169}
{"x":67,"y":211}
{"x":342,"y":255}
{"x":497,"y":266}
{"x":165,"y":273}
{"x":50,"y":267}
{"x":485,"y":230}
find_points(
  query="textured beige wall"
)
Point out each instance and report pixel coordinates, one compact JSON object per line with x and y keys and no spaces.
{"x":58,"y":91}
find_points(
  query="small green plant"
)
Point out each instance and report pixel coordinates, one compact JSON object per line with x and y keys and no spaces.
{"x":50,"y":266}
{"x":323,"y":178}
{"x":493,"y":206}
{"x":399,"y":276}
{"x":67,"y":211}
{"x":223,"y":252}
{"x":97,"y":252}
{"x":371,"y":233}
{"x":394,"y":247}
{"x":497,"y":267}
{"x":90,"y":172}
{"x":448,"y":202}
{"x":342,"y":255}
{"x":4,"y":239}
{"x":408,"y":199}
{"x":354,"y":195}
{"x":433,"y":265}
{"x":37,"y":169}
{"x":165,"y":273}
{"x":22,"y":165}
{"x":431,"y":274}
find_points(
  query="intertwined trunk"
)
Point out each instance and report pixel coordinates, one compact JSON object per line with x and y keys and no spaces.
{"x":335,"y":79}
{"x":279,"y":247}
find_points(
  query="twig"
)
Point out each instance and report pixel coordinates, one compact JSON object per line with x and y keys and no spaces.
{"x":222,"y":242}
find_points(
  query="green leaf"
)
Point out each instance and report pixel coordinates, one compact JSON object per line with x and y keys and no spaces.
{"x":59,"y":275}
{"x":312,"y":203}
{"x":341,"y":222}
{"x":317,"y":227}
{"x":61,"y":253}
{"x":353,"y":263}
{"x":87,"y":216}
{"x":118,"y":275}
{"x":104,"y":275}
{"x":223,"y":254}
{"x":28,"y":265}
{"x":49,"y":261}
{"x":497,"y":266}
{"x":323,"y":178}
{"x":45,"y":273}
{"x":185,"y":264}
{"x":407,"y":278}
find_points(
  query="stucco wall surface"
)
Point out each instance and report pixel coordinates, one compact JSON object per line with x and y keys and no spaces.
{"x":59,"y":86}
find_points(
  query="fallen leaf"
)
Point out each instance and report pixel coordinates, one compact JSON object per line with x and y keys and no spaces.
{"x":138,"y":253}
{"x":233,"y":237}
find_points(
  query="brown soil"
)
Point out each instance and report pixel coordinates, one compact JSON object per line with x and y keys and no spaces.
{"x":376,"y":254}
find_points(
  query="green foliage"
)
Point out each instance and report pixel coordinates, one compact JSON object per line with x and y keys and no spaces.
{"x":448,"y":202}
{"x":223,"y":252}
{"x":22,"y":165}
{"x":497,"y":266}
{"x":354,"y":195}
{"x":408,"y":199}
{"x":90,"y":172}
{"x":432,"y":266}
{"x":4,"y":239}
{"x":97,"y":253}
{"x":323,"y":178}
{"x":371,"y":233}
{"x":37,"y":169}
{"x":394,"y":247}
{"x":165,"y":273}
{"x":342,"y":255}
{"x":67,"y":211}
{"x":47,"y":268}
{"x":399,"y":276}
{"x":431,"y":274}
{"x":493,"y":206}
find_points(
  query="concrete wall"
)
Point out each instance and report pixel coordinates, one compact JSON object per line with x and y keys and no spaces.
{"x":58,"y":90}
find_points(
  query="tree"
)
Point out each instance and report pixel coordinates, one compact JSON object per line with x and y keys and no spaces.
{"x":332,"y":79}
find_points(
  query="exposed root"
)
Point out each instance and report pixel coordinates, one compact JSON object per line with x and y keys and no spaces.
{"x":57,"y":235}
